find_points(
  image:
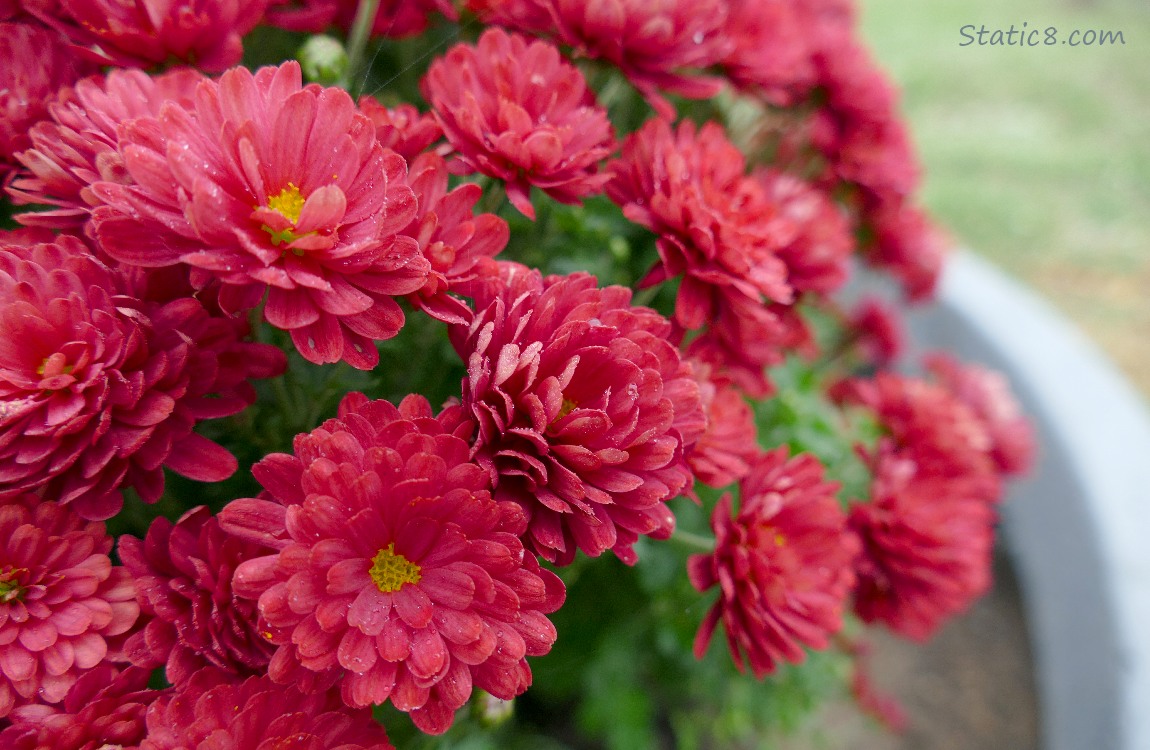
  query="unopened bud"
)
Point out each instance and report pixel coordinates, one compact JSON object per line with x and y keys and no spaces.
{"x":489,"y":710}
{"x":323,"y":59}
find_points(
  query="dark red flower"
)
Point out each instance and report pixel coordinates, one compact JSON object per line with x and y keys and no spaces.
{"x":63,"y":606}
{"x":584,"y":410}
{"x":77,"y":145}
{"x":515,"y":110}
{"x":927,"y":542}
{"x":725,"y":451}
{"x":267,"y":185}
{"x":877,"y":331}
{"x":858,"y":128}
{"x":988,"y":394}
{"x":183,"y":577}
{"x":213,"y":711}
{"x":771,"y":49}
{"x":931,"y":427}
{"x":716,"y":226}
{"x":37,"y":64}
{"x":395,"y":19}
{"x":908,"y":245}
{"x":396,"y":572}
{"x":744,"y":338}
{"x":783,"y":564}
{"x":104,"y":709}
{"x":818,"y":246}
{"x":660,"y":45}
{"x":458,"y":245}
{"x":144,"y":33}
{"x":100,"y":390}
{"x":403,"y":128}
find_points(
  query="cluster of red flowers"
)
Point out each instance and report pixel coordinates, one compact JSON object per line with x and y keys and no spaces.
{"x":396,"y":555}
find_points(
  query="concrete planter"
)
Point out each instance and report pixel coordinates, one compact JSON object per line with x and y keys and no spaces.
{"x":1078,"y":527}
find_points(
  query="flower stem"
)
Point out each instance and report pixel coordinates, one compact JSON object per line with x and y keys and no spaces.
{"x":357,"y":43}
{"x":696,"y":542}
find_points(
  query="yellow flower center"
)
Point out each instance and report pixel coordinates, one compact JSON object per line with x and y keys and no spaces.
{"x":287,"y":202}
{"x":391,"y":571}
{"x":568,"y":406}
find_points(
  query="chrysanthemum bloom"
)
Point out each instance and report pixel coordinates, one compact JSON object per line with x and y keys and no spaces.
{"x":988,"y":394}
{"x":930,"y":426}
{"x":100,"y":390}
{"x":37,"y":64}
{"x":660,"y":45}
{"x":744,"y":338}
{"x":770,"y":52}
{"x":63,"y":605}
{"x":183,"y":576}
{"x":395,"y":19}
{"x":513,"y":109}
{"x":858,"y":127}
{"x":402,"y":128}
{"x":76,"y":146}
{"x":458,"y":245}
{"x":584,"y":410}
{"x":396,"y":572}
{"x":820,"y":242}
{"x":213,"y":711}
{"x":724,"y":452}
{"x":716,"y":226}
{"x":877,"y":331}
{"x":267,"y":185}
{"x":926,"y":550}
{"x":104,"y":709}
{"x":782,"y":563}
{"x":205,"y":33}
{"x":908,"y":245}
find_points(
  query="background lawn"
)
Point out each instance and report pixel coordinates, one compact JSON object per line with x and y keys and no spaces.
{"x":1037,"y":158}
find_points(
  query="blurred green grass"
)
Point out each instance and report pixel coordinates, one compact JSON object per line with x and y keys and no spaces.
{"x":1038,"y":157}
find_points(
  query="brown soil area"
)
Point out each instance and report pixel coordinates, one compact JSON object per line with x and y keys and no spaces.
{"x":970,"y":688}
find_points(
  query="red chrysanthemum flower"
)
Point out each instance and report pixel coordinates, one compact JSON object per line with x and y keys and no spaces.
{"x":397,"y":573}
{"x":205,"y":33}
{"x":402,"y":128}
{"x":782,"y":563}
{"x":213,"y":711}
{"x":770,"y":49}
{"x":858,"y":128}
{"x":104,"y":709}
{"x":584,"y":410}
{"x":513,"y":109}
{"x":660,"y":45}
{"x":459,"y":245}
{"x":63,"y":605}
{"x":395,"y":19}
{"x":76,"y":147}
{"x":819,"y":243}
{"x":37,"y":64}
{"x":877,"y":331}
{"x":183,"y":577}
{"x":716,"y":226}
{"x":726,"y":449}
{"x":908,"y":245}
{"x":930,"y":426}
{"x":745,"y":337}
{"x":269,"y":185}
{"x":988,"y":395}
{"x":99,"y":389}
{"x":927,"y":542}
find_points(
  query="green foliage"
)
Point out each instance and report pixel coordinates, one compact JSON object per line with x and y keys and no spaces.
{"x":802,"y":417}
